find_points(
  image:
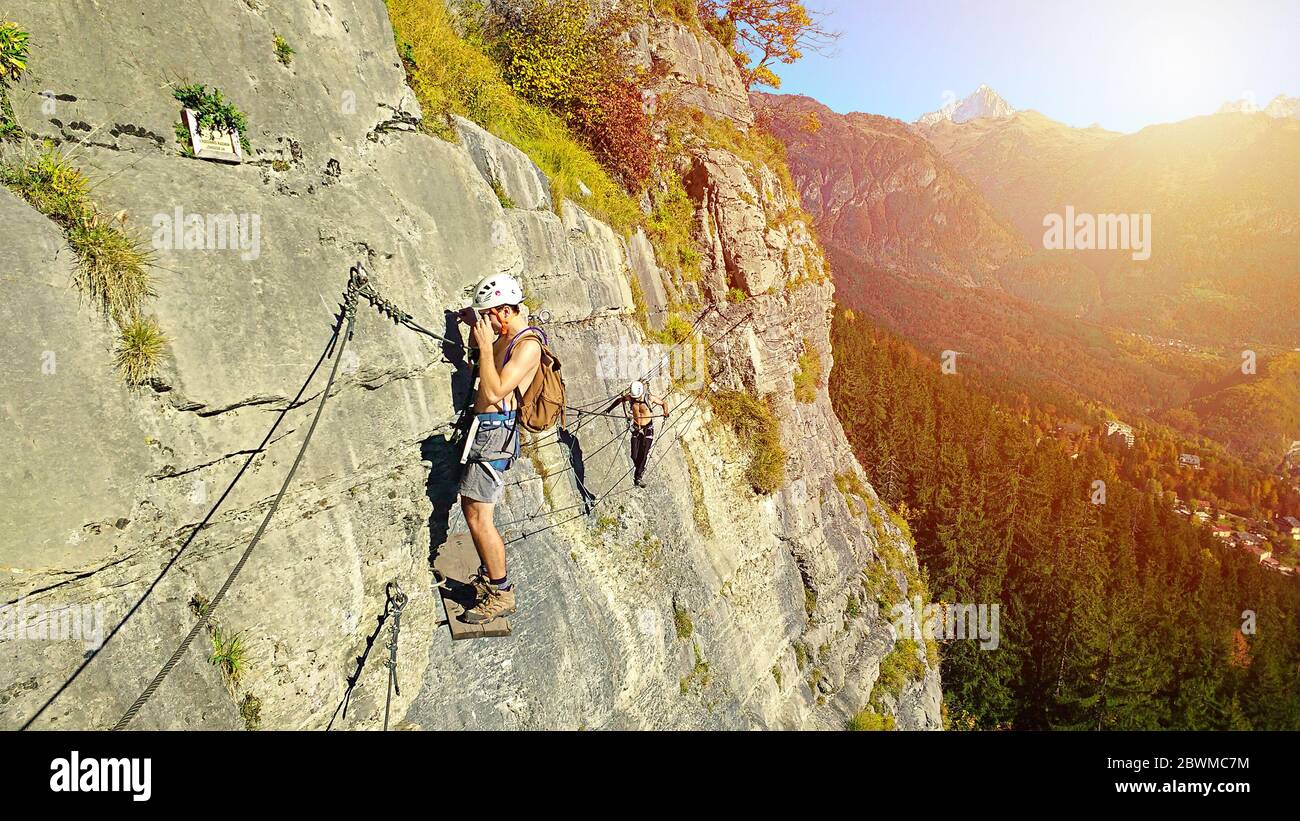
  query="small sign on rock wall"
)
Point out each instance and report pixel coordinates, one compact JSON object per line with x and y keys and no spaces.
{"x":219,"y":146}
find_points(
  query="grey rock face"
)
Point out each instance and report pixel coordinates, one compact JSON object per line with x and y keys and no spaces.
{"x":700,"y":72}
{"x":670,"y":606}
{"x":497,"y":160}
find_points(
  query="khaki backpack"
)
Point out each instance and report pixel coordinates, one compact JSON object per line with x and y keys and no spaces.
{"x":543,"y":403}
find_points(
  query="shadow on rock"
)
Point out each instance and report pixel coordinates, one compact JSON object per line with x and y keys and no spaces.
{"x":444,"y":454}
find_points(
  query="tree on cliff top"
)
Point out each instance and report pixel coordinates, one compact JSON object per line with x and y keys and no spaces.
{"x":775,"y":31}
{"x":572,"y":56}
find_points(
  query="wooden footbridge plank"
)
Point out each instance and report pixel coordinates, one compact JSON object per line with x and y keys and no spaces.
{"x":457,"y":561}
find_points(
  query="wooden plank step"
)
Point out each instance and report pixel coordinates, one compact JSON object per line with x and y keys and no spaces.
{"x":457,"y":561}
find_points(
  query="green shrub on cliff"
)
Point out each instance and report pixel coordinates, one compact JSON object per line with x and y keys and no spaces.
{"x":13,"y":52}
{"x":897,"y":668}
{"x":685,"y":12}
{"x":754,"y":422}
{"x":214,"y":111}
{"x":283,"y":51}
{"x":13,"y":62}
{"x":669,"y":228}
{"x":551,"y":54}
{"x":571,"y":56}
{"x":10,"y":131}
{"x":594,"y":132}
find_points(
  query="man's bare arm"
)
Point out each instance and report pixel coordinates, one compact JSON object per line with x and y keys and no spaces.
{"x":524,"y":359}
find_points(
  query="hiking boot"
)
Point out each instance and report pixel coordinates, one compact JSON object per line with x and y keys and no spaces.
{"x":495,"y":604}
{"x":479,"y":581}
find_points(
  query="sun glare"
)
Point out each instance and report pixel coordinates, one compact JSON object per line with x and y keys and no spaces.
{"x":1178,"y":59}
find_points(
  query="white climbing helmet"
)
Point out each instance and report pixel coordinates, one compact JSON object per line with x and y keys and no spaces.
{"x":637,"y":389}
{"x":497,"y":290}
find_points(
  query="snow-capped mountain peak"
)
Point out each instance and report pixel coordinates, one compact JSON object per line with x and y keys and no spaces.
{"x":1281,"y":106}
{"x":984,"y":102}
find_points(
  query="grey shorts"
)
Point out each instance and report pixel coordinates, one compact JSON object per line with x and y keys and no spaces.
{"x":481,"y":481}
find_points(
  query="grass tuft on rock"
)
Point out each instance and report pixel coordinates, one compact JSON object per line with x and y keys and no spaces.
{"x":112,"y":267}
{"x":682,"y":622}
{"x":112,"y":264}
{"x":807,"y":374}
{"x":228,"y":656}
{"x":51,"y":184}
{"x":868,"y":720}
{"x":502,"y":196}
{"x":670,"y":228}
{"x":139,"y":350}
{"x":283,"y":51}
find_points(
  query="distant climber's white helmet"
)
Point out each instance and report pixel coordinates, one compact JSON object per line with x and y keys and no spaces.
{"x":637,"y":389}
{"x":496,"y":290}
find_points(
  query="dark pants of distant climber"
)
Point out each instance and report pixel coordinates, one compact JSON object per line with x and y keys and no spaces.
{"x":643,"y":438}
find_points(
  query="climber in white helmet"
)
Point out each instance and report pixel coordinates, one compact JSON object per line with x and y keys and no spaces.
{"x":509,"y":352}
{"x":638,"y":400}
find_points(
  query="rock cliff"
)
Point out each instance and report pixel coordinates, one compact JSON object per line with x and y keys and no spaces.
{"x":693,"y":603}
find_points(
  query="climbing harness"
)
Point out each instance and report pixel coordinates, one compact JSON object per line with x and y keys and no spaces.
{"x":397,"y":600}
{"x":497,"y":423}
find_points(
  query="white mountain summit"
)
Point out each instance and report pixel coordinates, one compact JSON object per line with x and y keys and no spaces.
{"x":1281,"y":106}
{"x":985,"y":102}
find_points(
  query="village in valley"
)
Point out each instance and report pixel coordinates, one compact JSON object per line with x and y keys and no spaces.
{"x":1275,"y":543}
{"x":1273,"y":540}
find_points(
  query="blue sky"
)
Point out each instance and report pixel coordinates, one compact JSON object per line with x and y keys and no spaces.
{"x":1122,"y":63}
